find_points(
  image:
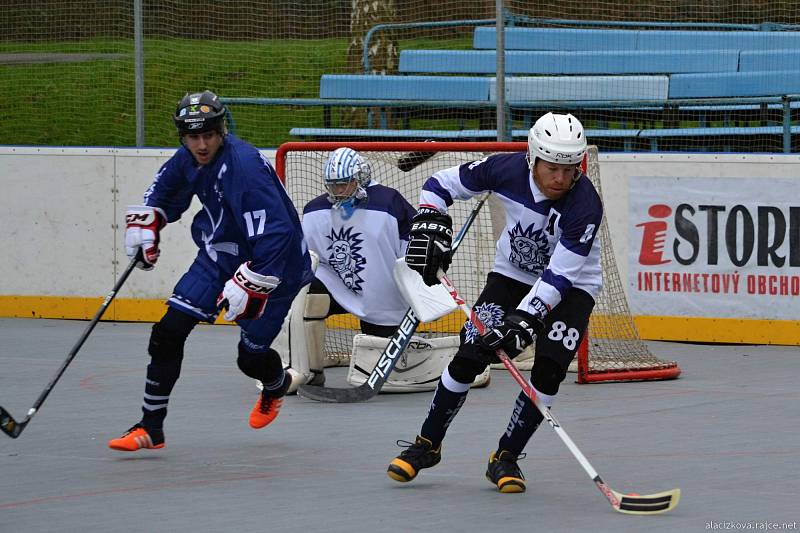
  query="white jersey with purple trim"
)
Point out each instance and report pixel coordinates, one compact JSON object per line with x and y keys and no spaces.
{"x":549,"y":244}
{"x":357,"y":255}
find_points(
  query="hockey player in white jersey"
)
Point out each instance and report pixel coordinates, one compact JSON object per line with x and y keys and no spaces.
{"x":544,"y":282}
{"x":358,"y":228}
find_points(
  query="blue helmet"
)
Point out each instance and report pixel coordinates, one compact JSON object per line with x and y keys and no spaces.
{"x":344,"y":166}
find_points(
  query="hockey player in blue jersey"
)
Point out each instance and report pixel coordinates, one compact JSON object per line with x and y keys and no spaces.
{"x":545,"y":279}
{"x":358,"y":228}
{"x":252,"y":259}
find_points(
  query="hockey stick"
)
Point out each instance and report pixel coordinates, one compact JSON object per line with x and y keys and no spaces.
{"x":412,"y":160}
{"x":8,"y":424}
{"x":390,"y":355}
{"x":660,"y":502}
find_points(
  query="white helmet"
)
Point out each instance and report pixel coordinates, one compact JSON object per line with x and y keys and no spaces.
{"x":345,"y":165}
{"x":558,"y":139}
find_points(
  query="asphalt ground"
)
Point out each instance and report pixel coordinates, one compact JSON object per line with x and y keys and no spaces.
{"x":726,"y":433}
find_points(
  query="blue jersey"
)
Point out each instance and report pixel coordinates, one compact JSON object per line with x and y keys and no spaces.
{"x":549,"y":244}
{"x":247,"y":214}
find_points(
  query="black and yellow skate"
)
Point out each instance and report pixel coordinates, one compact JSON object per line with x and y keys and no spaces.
{"x":417,"y":455}
{"x":504,"y":472}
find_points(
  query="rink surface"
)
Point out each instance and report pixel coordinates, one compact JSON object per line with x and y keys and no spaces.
{"x":727,"y":433}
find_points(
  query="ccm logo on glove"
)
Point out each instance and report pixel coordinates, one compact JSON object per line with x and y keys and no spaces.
{"x":143,"y":224}
{"x":245,"y":294}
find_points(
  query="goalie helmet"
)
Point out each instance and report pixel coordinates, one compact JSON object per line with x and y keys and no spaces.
{"x":199,"y":113}
{"x":346,"y":166}
{"x":557,"y":139}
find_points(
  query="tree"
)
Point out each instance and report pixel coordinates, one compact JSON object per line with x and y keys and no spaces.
{"x":382,"y":52}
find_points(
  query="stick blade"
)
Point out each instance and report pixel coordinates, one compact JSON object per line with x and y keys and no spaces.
{"x":10,"y":426}
{"x":358,"y":394}
{"x":644,"y":504}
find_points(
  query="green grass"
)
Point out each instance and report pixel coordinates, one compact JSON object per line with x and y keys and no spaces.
{"x":92,"y":103}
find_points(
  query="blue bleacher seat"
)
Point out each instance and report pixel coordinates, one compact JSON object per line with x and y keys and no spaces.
{"x":590,"y":88}
{"x":350,"y":133}
{"x":758,"y":60}
{"x":665,"y":77}
{"x":518,"y":89}
{"x":393,"y":134}
{"x":730,"y":84}
{"x":362,"y":87}
{"x":614,"y":39}
{"x":485,"y":38}
{"x":582,"y":62}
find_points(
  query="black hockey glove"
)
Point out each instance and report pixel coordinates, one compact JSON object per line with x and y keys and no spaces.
{"x":513,"y":334}
{"x":428,"y":250}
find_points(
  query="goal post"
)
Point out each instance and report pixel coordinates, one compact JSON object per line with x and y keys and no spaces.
{"x":611,"y":351}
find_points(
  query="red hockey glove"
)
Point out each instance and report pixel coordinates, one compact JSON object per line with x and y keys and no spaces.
{"x":142,"y":226}
{"x":245,"y":294}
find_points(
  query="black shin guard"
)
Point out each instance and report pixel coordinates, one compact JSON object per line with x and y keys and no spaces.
{"x":451,"y":392}
{"x":166,"y":355}
{"x":525,"y":419}
{"x":266,"y":367}
{"x":546,"y":377}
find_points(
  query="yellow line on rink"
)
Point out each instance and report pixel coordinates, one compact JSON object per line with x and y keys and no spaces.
{"x":725,"y":330}
{"x":668,"y":328}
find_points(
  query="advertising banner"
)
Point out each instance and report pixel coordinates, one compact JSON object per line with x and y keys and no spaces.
{"x":714,"y":247}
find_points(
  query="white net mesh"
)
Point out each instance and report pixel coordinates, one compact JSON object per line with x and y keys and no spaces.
{"x":614,"y":343}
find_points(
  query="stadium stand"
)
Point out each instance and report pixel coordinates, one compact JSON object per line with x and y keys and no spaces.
{"x":683,"y":84}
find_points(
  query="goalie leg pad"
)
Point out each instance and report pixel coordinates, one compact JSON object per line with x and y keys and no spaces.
{"x":418,"y":368}
{"x":291,"y":341}
{"x":316,"y":309}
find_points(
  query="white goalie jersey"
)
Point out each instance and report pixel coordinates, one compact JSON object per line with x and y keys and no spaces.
{"x":357,"y":254}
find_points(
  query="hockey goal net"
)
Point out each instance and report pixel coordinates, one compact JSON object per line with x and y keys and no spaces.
{"x":612,"y":351}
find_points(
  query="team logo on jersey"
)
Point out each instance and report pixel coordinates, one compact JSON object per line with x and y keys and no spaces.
{"x":345,"y":257}
{"x":490,"y":314}
{"x":530,"y":250}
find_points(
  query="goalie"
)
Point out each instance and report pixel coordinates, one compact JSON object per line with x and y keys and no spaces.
{"x":357,"y":229}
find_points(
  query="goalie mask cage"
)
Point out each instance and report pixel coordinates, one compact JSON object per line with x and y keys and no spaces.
{"x":612,"y":350}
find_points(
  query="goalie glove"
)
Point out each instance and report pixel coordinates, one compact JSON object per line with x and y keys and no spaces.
{"x":142,"y":227}
{"x":431,"y":237}
{"x":513,"y":334}
{"x":245,"y":294}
